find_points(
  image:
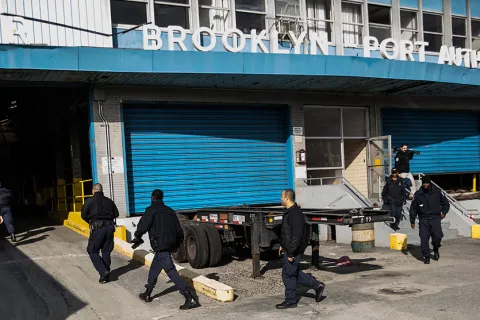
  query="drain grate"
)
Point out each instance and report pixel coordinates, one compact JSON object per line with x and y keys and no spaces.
{"x":399,"y":291}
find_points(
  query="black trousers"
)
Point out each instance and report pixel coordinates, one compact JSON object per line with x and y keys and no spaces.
{"x":430,"y":228}
{"x":6,"y":213}
{"x":396,"y":212}
{"x":163,"y":260}
{"x":291,"y":275}
{"x":101,"y":239}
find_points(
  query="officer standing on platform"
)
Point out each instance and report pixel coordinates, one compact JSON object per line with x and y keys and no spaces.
{"x":100,"y":213}
{"x":430,"y":205}
{"x":166,"y":235}
{"x":294,"y":241}
{"x":394,"y":196}
{"x":6,"y":198}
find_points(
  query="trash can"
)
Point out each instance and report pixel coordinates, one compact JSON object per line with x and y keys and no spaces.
{"x":363,"y":237}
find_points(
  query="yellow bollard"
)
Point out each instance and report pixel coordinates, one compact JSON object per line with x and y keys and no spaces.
{"x":474,"y":189}
{"x":398,"y":241}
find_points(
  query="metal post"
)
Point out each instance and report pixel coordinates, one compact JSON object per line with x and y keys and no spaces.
{"x":83,"y":193}
{"x":255,"y":245}
{"x":74,"y":198}
{"x":474,"y":187}
{"x":315,"y":240}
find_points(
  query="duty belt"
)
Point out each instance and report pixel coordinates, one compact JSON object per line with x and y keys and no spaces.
{"x":100,"y":224}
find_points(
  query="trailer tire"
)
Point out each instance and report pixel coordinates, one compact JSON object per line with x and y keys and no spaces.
{"x":214,"y":244}
{"x":196,"y":245}
{"x":180,"y":255}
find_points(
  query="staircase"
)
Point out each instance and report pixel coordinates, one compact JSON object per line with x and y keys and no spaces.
{"x":413,"y":236}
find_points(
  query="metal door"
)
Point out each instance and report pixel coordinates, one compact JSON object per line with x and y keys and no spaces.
{"x":379,"y":164}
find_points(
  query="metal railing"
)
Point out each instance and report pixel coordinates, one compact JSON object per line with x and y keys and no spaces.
{"x":312,"y":181}
{"x":69,"y":196}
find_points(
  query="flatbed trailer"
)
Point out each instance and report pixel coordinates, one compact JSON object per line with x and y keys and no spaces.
{"x":209,"y":231}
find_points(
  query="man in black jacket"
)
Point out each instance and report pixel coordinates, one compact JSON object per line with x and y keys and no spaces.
{"x":6,"y":198}
{"x":430,"y":205}
{"x":394,"y":196}
{"x":100,"y":213}
{"x":294,"y":241}
{"x":402,"y":164}
{"x":166,"y":235}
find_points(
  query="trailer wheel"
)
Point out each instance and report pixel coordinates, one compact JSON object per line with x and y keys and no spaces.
{"x":180,"y":255}
{"x":214,"y":243}
{"x":196,"y":245}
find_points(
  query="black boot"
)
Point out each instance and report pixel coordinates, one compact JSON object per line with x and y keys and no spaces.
{"x":191,"y":301}
{"x":13,"y":237}
{"x":426,"y":260}
{"x":104,"y":278}
{"x":436,"y":255}
{"x":146,"y":296}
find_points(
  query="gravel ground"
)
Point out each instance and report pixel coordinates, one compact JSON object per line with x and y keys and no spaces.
{"x":237,"y":272}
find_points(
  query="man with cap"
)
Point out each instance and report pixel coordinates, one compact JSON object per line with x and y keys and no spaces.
{"x":394,"y":196}
{"x":430,"y":205}
{"x":402,"y":164}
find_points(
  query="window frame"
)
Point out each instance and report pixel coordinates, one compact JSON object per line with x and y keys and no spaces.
{"x":127,"y":25}
{"x":260,"y":13}
{"x":477,"y":20}
{"x":361,"y":24}
{"x":228,"y":10}
{"x":415,"y":31}
{"x":442,"y":34}
{"x":330,"y":21}
{"x":379,"y":25}
{"x":188,"y":6}
{"x":464,"y":36}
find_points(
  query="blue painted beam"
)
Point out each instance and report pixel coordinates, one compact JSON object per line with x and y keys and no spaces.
{"x":192,"y":62}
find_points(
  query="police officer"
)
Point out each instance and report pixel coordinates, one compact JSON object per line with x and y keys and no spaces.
{"x":6,"y":198}
{"x":294,"y":241}
{"x":100,"y":213}
{"x":394,"y":196}
{"x":402,"y":164}
{"x":430,"y":205}
{"x":166,"y":235}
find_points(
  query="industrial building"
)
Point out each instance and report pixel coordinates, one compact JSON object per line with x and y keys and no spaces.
{"x":229,"y":102}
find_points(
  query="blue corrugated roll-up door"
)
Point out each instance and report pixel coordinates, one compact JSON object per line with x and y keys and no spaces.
{"x":448,"y":140}
{"x":206,"y":156}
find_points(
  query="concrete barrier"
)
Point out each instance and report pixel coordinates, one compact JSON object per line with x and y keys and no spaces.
{"x":211,"y":288}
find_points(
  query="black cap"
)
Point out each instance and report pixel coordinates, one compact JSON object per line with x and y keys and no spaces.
{"x":426,"y":179}
{"x":394,"y":171}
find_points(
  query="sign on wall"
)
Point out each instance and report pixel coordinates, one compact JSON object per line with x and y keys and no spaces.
{"x":117,"y":165}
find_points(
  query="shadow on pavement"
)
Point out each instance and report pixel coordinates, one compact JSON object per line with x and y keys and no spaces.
{"x":27,"y":291}
{"x":415,"y":251}
{"x":117,"y":273}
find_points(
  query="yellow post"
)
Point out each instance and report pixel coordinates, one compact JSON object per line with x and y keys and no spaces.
{"x":474,"y":189}
{"x":83,"y":193}
{"x":74,"y":198}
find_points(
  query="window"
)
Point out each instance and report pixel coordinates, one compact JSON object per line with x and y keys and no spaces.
{"x":352,"y":23}
{"x":409,"y":25}
{"x":476,"y":34}
{"x":215,"y":14}
{"x":433,"y":31}
{"x":379,"y":22}
{"x":172,"y":13}
{"x":459,"y":32}
{"x":128,"y":12}
{"x":319,"y":18}
{"x":250,"y":14}
{"x":288,"y":14}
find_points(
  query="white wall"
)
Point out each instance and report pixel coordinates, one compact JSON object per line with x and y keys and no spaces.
{"x":93,"y":15}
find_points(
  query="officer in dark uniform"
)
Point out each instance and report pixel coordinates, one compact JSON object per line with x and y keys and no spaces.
{"x":166,"y":235}
{"x":294,"y":241}
{"x":6,"y":198}
{"x":394,"y":196}
{"x":430,"y":205}
{"x":100,"y":213}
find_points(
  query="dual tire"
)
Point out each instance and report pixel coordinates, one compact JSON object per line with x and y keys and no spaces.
{"x":203,"y":246}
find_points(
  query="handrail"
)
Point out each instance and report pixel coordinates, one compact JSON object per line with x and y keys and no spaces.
{"x":452,"y":200}
{"x":308,"y":180}
{"x":357,"y":192}
{"x":57,"y":198}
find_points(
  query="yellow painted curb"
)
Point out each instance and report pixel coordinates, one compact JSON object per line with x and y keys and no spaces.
{"x":209,"y":287}
{"x":398,"y":241}
{"x":476,"y":231}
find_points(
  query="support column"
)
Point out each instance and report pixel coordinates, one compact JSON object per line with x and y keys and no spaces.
{"x":75,"y":155}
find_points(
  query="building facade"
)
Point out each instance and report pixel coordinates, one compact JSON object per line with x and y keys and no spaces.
{"x":217,"y":102}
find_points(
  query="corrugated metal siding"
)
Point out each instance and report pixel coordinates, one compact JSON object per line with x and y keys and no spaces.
{"x":92,"y":15}
{"x":205,"y":156}
{"x":449,"y":141}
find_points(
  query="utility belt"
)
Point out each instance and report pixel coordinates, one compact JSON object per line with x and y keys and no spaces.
{"x":98,"y":224}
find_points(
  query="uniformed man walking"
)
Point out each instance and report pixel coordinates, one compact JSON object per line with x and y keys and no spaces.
{"x":402,"y":164}
{"x":6,"y":199}
{"x":430,"y":205}
{"x":100,"y":213}
{"x":394,"y":196}
{"x":166,"y":234}
{"x":294,"y":241}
